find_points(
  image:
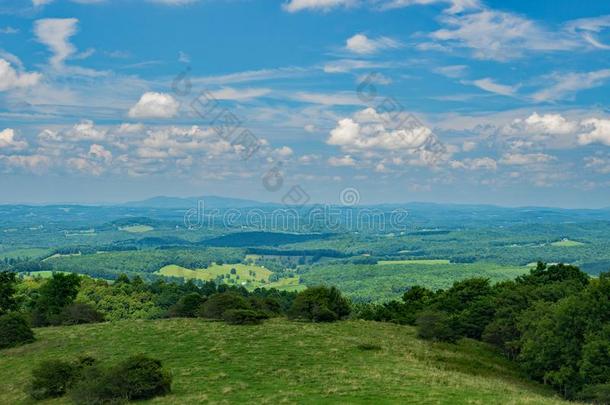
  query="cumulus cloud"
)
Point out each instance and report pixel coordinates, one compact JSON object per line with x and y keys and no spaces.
{"x":12,"y":79}
{"x":368,"y":132}
{"x":132,"y":150}
{"x":8,"y":141}
{"x":363,"y":45}
{"x":155,"y":105}
{"x":598,"y":132}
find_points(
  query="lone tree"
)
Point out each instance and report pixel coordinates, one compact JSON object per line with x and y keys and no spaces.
{"x":320,"y":304}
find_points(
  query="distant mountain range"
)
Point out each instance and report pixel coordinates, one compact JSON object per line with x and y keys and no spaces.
{"x":163,"y":202}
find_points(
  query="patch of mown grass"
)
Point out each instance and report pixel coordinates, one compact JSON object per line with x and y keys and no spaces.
{"x":281,"y":361}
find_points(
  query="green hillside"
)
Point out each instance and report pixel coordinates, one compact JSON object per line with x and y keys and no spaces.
{"x":282,"y":361}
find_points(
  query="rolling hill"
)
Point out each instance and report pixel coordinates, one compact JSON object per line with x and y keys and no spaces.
{"x":281,"y":361}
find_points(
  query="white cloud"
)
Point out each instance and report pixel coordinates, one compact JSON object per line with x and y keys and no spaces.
{"x":567,"y":84}
{"x":469,"y":146}
{"x":520,"y":159}
{"x":86,"y":131}
{"x":484,"y":163}
{"x":455,"y":6}
{"x":498,"y":35}
{"x":32,"y":163}
{"x":587,"y":27}
{"x":371,"y":133}
{"x":348,"y":98}
{"x":55,"y":33}
{"x":599,"y":132}
{"x":452,"y":71}
{"x":229,"y":93}
{"x":346,"y":160}
{"x":174,"y":2}
{"x":363,"y":45}
{"x":600,"y":164}
{"x":489,"y":85}
{"x":155,"y":105}
{"x":8,"y":141}
{"x":12,"y":79}
{"x":40,"y":3}
{"x":293,"y":6}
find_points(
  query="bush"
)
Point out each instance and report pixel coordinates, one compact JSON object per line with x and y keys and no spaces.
{"x":435,"y":325}
{"x":137,"y":378}
{"x":217,"y":304}
{"x":320,"y":304}
{"x":186,"y":307}
{"x":597,"y":394}
{"x":51,"y":379}
{"x":79,"y":313}
{"x":244,"y":316}
{"x":14,"y":331}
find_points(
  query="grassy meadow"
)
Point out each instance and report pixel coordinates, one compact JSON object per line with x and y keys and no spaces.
{"x":246,"y":272}
{"x":286,"y":362}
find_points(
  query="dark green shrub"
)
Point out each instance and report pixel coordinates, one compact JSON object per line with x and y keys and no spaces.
{"x":244,"y":316}
{"x":186,"y":307}
{"x":142,"y":377}
{"x":51,"y":379}
{"x":320,"y":304}
{"x":14,"y":330}
{"x":217,"y":304}
{"x":137,"y":378}
{"x":597,"y":394}
{"x":79,"y":313}
{"x":323,"y":314}
{"x":436,"y":325}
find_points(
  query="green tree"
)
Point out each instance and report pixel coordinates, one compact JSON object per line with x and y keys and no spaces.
{"x":320,"y":304}
{"x":7,"y":291}
{"x":54,"y":295}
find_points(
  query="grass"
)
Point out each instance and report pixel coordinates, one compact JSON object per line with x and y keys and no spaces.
{"x":567,"y":243}
{"x":287,"y":284}
{"x":246,"y":272}
{"x":285,"y":362}
{"x":415,"y":261}
{"x":382,"y":282}
{"x":137,"y":228}
{"x":25,"y":252}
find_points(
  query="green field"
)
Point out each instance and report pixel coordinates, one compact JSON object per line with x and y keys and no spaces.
{"x":567,"y":243}
{"x":287,"y":284}
{"x":285,"y":362}
{"x":246,"y":272}
{"x":137,"y":228}
{"x":381,"y":282}
{"x":25,"y":252}
{"x":415,"y":261}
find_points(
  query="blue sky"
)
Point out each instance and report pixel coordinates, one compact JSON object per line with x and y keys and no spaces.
{"x":465,"y":101}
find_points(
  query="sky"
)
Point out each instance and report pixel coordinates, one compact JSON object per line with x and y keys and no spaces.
{"x":295,"y":101}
